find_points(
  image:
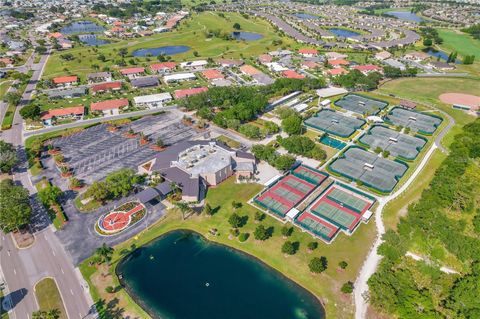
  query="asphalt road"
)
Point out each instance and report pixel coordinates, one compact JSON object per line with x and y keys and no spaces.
{"x":22,"y":268}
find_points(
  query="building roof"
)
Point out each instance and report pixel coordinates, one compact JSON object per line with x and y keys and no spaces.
{"x":250,"y":70}
{"x":230,"y":62}
{"x":330,"y":91}
{"x":265,"y":58}
{"x":178,"y":77}
{"x":55,"y":35}
{"x":337,"y":71}
{"x":162,"y":66}
{"x":193,"y":64}
{"x":291,"y":74}
{"x":108,"y":105}
{"x":135,"y":70}
{"x":310,"y":64}
{"x":66,"y":92}
{"x":367,"y":68}
{"x":187,"y":92}
{"x":147,"y":195}
{"x":106,"y":86}
{"x":338,"y":62}
{"x":308,"y":51}
{"x":73,"y":110}
{"x":212,"y":74}
{"x":407,"y":104}
{"x":145,"y":81}
{"x":65,"y":79}
{"x":164,"y":188}
{"x":160,"y":97}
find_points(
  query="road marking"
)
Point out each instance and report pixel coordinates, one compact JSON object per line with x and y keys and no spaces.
{"x":45,"y":235}
{"x":53,"y":252}
{"x":14,"y":271}
{"x":8,"y":252}
{"x":71,"y":291}
{"x":62,"y":270}
{"x":80,"y":315}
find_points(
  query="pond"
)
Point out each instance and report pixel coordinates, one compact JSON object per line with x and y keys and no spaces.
{"x":343,"y":32}
{"x":439,"y":54}
{"x":405,"y":15}
{"x":182,"y":275}
{"x":165,"y":50}
{"x":82,"y":27}
{"x":247,"y":36}
{"x":91,"y":39}
{"x":305,"y":16}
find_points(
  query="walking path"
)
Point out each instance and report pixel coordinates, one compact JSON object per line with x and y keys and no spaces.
{"x":373,"y":259}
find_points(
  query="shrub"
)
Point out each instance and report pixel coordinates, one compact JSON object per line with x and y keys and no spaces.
{"x":243,"y":237}
{"x":317,"y":264}
{"x":347,"y":287}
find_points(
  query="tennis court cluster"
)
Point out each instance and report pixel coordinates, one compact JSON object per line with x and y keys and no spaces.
{"x":398,"y":144}
{"x":416,"y":121}
{"x":360,"y":104}
{"x":290,"y":190}
{"x":373,"y":171}
{"x":339,"y":207}
{"x":334,"y":123}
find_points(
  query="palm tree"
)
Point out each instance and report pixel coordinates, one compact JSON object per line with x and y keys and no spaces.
{"x":53,"y":313}
{"x":104,"y":253}
{"x":183,"y":207}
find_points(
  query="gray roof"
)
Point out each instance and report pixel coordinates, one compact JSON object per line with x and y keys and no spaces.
{"x":76,"y":91}
{"x":147,"y":195}
{"x":164,"y":188}
{"x":246,"y":155}
{"x":145,"y":81}
{"x":190,"y":186}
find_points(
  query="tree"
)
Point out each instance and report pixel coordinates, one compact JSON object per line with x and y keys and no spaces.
{"x":343,"y":264}
{"x":259,"y":216}
{"x":235,"y":220}
{"x":207,"y":209}
{"x":427,"y":42}
{"x":317,"y":264}
{"x":236,"y":26}
{"x":46,"y":314}
{"x":347,"y":287}
{"x":292,"y":125}
{"x":183,"y":207}
{"x":41,"y":49}
{"x":386,"y":153}
{"x":160,"y":142}
{"x":236,"y":205}
{"x":284,"y":162}
{"x":98,"y":191}
{"x":8,"y":157}
{"x":261,"y":233}
{"x":15,"y":210}
{"x":104,"y":253}
{"x":312,"y":245}
{"x":12,"y":98}
{"x":30,"y":111}
{"x":123,"y":52}
{"x":120,"y":183}
{"x":109,"y":289}
{"x":289,"y":247}
{"x":286,"y":231}
{"x":49,"y":194}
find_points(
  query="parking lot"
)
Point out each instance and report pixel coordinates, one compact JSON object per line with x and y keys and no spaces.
{"x":398,"y":144}
{"x":96,"y":152}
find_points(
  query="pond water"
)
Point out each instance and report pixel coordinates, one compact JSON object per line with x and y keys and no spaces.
{"x":91,"y":39}
{"x":81,"y":27}
{"x":247,"y":36}
{"x":405,"y":15}
{"x":439,"y":54}
{"x":165,"y":50}
{"x":305,"y":16}
{"x":343,"y":32}
{"x":182,"y":275}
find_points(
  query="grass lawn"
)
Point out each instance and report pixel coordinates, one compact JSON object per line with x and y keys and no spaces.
{"x":230,"y":142}
{"x":8,"y":118}
{"x":4,"y":86}
{"x":191,"y":32}
{"x":326,"y":286}
{"x":48,"y":296}
{"x":463,"y":43}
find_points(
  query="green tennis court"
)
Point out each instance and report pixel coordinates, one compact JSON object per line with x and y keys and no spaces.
{"x":309,"y":175}
{"x":291,"y":197}
{"x":304,"y":188}
{"x":334,"y":214}
{"x":273,"y":205}
{"x":349,"y":200}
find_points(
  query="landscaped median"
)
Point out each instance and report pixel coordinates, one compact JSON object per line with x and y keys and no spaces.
{"x":49,"y":298}
{"x":326,"y":286}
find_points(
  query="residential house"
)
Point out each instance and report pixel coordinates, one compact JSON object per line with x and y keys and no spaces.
{"x":416,"y":56}
{"x":194,"y":65}
{"x":144,"y":82}
{"x":338,"y":63}
{"x":132,"y":73}
{"x":335,"y":56}
{"x":212,"y":74}
{"x":179,"y":77}
{"x":383,"y":55}
{"x":65,"y":81}
{"x":74,"y":113}
{"x":66,"y":93}
{"x":249,"y":70}
{"x":441,"y":66}
{"x":188,"y":92}
{"x":107,"y":86}
{"x":229,"y":63}
{"x":163,"y":67}
{"x":308,"y":52}
{"x":109,"y":107}
{"x":368,"y":68}
{"x":99,"y":77}
{"x":292,"y":74}
{"x":153,"y":100}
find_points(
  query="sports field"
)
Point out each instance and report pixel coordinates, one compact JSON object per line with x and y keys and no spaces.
{"x":191,"y":32}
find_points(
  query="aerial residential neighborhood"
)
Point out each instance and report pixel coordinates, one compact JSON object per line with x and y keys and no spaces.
{"x":239,"y":159}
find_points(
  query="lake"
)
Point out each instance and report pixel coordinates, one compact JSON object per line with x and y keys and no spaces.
{"x":405,"y":15}
{"x":82,"y":27}
{"x":305,"y":16}
{"x":182,"y":275}
{"x":439,"y":54}
{"x":91,"y":39}
{"x":165,"y":50}
{"x":247,"y":36}
{"x":343,"y":32}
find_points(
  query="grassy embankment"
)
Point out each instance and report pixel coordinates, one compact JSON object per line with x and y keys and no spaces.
{"x":48,"y":296}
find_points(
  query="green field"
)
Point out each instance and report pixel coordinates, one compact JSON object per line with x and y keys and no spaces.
{"x":4,"y":86}
{"x":190,"y":32}
{"x":326,"y":286}
{"x":48,"y":296}
{"x":461,"y":42}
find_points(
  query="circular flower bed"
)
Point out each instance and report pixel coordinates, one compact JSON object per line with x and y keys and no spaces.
{"x":120,"y":219}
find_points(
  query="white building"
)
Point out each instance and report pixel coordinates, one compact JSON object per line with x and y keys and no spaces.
{"x":153,"y":100}
{"x":194,"y":65}
{"x":179,"y":77}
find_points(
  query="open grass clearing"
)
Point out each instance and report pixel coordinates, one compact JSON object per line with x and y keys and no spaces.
{"x":463,"y":43}
{"x":326,"y":286}
{"x":48,"y":296}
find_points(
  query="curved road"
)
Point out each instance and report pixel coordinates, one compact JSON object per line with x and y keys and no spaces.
{"x":23,"y":268}
{"x":373,"y":259}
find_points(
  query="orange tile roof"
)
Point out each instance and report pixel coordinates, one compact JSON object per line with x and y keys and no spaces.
{"x":108,"y":105}
{"x":187,"y":92}
{"x":291,"y":74}
{"x":213,"y":74}
{"x":337,"y":71}
{"x":338,"y":62}
{"x":55,"y":35}
{"x":367,"y":68}
{"x":106,"y":86}
{"x":74,"y":110}
{"x":250,"y":70}
{"x":163,"y":65}
{"x":132,"y":70}
{"x":265,"y":58}
{"x":65,"y":79}
{"x":307,"y":51}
